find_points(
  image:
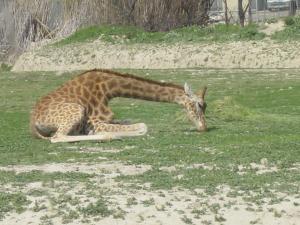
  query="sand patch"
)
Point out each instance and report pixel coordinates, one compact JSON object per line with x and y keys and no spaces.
{"x":192,"y":166}
{"x":97,"y":54}
{"x":168,"y":207}
{"x":271,"y":28}
{"x":97,"y":149}
{"x":112,"y":168}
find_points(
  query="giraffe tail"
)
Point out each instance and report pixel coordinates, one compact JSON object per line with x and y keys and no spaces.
{"x":34,"y":130}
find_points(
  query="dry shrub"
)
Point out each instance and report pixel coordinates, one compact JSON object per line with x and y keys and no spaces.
{"x":24,"y":21}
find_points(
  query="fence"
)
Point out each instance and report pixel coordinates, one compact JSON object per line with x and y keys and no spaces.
{"x":260,"y":11}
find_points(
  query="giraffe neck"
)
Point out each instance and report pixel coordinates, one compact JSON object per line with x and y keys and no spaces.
{"x":132,"y":87}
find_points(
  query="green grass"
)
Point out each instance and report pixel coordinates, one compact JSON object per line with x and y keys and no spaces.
{"x":131,"y":35}
{"x":251,"y":115}
{"x":291,"y":31}
{"x":9,"y":202}
{"x":5,"y":67}
{"x":35,"y":176}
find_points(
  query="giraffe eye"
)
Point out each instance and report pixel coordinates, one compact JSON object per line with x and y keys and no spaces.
{"x":200,"y":107}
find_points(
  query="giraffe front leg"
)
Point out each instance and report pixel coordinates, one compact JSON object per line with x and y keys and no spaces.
{"x":118,"y":130}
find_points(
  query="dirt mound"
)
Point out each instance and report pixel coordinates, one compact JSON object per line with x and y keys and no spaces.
{"x":247,"y":54}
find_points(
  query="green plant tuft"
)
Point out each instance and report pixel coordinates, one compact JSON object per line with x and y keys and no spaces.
{"x":5,"y":67}
{"x":12,"y":202}
{"x":291,"y":31}
{"x":228,"y":110}
{"x":99,"y":208}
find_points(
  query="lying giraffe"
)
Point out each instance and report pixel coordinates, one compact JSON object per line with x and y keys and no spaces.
{"x":79,"y":111}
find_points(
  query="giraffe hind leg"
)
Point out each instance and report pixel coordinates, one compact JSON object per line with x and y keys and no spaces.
{"x":103,"y":135}
{"x":101,"y":131}
{"x":70,"y":121}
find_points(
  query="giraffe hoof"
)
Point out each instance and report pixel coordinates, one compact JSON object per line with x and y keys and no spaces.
{"x":142,"y":129}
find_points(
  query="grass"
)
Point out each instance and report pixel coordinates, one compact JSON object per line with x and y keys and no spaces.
{"x":291,"y":31}
{"x":191,"y":34}
{"x":98,"y":208}
{"x":5,"y":67}
{"x":252,"y":115}
{"x":133,"y":35}
{"x":9,"y":202}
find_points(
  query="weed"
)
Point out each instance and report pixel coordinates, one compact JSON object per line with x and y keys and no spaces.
{"x":219,"y":218}
{"x":214,"y":208}
{"x":272,"y":20}
{"x":12,"y":202}
{"x":187,"y":220}
{"x":38,"y":206}
{"x":229,"y":110}
{"x":70,"y":216}
{"x":291,"y":31}
{"x":289,"y":21}
{"x":199,"y":212}
{"x":148,"y":202}
{"x":254,"y":221}
{"x":37,"y":192}
{"x":5,"y":67}
{"x":131,"y":201}
{"x":46,"y":220}
{"x":119,"y":213}
{"x":99,"y":208}
{"x":35,"y":176}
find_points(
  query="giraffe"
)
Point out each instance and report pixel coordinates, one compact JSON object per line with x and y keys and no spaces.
{"x":78,"y":110}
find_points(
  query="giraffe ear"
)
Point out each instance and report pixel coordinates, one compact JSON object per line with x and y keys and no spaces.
{"x":188,"y":90}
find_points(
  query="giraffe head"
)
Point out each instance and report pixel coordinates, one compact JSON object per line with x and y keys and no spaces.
{"x":195,"y":107}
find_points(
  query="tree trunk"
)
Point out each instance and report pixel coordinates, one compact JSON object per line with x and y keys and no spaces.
{"x":226,"y":12}
{"x":250,"y":11}
{"x":241,"y":13}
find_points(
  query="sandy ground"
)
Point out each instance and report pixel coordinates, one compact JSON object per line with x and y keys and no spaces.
{"x":144,"y":206}
{"x":251,"y":54}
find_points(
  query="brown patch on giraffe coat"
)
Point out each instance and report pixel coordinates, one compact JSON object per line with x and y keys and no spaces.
{"x":148,"y":88}
{"x":103,"y":87}
{"x":71,"y":89}
{"x":94,"y":101}
{"x":112,"y":84}
{"x":81,"y":78}
{"x":73,"y":83}
{"x":97,"y":87}
{"x":100,"y":96}
{"x":97,"y":79}
{"x":83,"y":101}
{"x":78,"y":90}
{"x":89,"y":84}
{"x":127,"y":85}
{"x":86,"y":93}
{"x":104,"y":110}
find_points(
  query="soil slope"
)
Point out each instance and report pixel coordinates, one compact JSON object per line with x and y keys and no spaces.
{"x":97,"y":54}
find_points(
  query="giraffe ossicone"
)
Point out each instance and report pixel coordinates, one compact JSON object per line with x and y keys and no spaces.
{"x":79,"y":111}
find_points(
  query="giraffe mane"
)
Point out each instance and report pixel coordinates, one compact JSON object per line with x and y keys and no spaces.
{"x":127,"y":75}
